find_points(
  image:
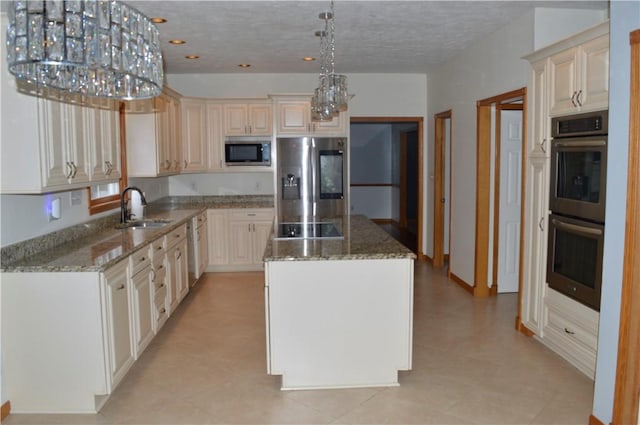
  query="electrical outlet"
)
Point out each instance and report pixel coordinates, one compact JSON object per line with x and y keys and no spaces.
{"x":258,"y":186}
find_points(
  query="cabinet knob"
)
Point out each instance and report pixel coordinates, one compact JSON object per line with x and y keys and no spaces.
{"x":119,"y":288}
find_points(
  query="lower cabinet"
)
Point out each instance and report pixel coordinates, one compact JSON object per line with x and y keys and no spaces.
{"x":178,"y":266}
{"x":238,"y":237}
{"x":140,"y":284}
{"x":571,"y":330}
{"x":69,"y":338}
{"x":117,"y":314}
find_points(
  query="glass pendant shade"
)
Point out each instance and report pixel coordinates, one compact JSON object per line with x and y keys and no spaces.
{"x":89,"y":47}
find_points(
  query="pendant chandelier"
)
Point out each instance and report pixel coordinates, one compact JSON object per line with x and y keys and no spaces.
{"x":89,"y":47}
{"x":330,"y":97}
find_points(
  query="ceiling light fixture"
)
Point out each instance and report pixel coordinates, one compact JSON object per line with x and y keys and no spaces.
{"x":177,"y":42}
{"x":330,"y":97}
{"x":308,"y":59}
{"x":158,"y":20}
{"x":89,"y":47}
{"x":192,"y":57}
{"x":245,"y":65}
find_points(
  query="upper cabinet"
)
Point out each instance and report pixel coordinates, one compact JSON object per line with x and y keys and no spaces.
{"x":248,"y":119}
{"x":293,"y":117}
{"x":579,"y":78}
{"x":55,"y":142}
{"x":194,"y":135}
{"x":153,"y":128}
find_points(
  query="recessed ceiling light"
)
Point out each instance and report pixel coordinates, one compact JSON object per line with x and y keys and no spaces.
{"x":308,"y":59}
{"x":192,"y":57}
{"x":177,"y":41}
{"x":158,"y":20}
{"x":244,"y":65}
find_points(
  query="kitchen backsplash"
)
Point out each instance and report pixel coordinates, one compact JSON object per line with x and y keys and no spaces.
{"x":252,"y":183}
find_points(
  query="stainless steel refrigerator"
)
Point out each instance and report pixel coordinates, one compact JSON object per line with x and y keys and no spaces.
{"x":312,"y":178}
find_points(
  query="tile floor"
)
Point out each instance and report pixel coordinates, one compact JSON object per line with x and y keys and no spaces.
{"x":207,"y":366}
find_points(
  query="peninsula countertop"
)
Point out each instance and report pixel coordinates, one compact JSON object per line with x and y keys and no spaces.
{"x":363,"y":240}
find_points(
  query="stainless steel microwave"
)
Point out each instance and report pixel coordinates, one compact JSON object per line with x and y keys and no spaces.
{"x":247,"y":151}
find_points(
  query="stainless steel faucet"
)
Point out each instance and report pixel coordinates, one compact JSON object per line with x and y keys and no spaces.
{"x":124,"y":213}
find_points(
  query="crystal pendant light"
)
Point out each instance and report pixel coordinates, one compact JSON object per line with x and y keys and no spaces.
{"x":89,"y":47}
{"x":331,"y":96}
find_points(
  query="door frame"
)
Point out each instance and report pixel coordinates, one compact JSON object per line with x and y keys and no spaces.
{"x":419,"y":121}
{"x":483,"y":188}
{"x":439,"y":158}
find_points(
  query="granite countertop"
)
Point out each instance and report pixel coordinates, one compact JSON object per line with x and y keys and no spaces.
{"x":102,"y":249}
{"x":363,"y":240}
{"x":99,"y":244}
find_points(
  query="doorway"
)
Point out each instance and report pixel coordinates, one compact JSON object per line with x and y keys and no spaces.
{"x":442,"y":188}
{"x":386,"y":175}
{"x":499,"y":186}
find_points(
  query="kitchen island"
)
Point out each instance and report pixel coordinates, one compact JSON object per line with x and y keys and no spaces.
{"x":339,"y":312}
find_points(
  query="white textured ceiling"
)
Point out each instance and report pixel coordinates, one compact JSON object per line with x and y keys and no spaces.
{"x":371,"y":36}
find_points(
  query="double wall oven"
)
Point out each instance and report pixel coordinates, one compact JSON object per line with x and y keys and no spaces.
{"x":577,"y":203}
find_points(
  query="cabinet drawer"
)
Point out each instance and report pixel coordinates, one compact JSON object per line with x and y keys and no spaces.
{"x":564,"y":326}
{"x":251,"y":214}
{"x":138,"y":261}
{"x":200,"y":219}
{"x":175,"y":236}
{"x":571,"y":319}
{"x":157,"y":250}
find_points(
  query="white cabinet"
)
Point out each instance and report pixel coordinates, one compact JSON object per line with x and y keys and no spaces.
{"x":117,"y":322}
{"x":248,"y":119}
{"x":200,"y":257}
{"x":217,"y":237}
{"x":102,"y":127}
{"x":176,"y":243}
{"x":238,"y":237}
{"x":540,"y":140}
{"x":194,"y":135}
{"x":579,"y":78}
{"x":535,"y":265}
{"x":567,"y":77}
{"x":215,"y":139}
{"x":571,"y":330}
{"x":160,"y":283}
{"x":293,"y":117}
{"x":140,"y":283}
{"x":153,"y":131}
{"x":249,"y":231}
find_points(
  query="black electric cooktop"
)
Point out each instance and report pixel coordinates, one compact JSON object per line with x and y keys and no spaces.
{"x":324,"y":230}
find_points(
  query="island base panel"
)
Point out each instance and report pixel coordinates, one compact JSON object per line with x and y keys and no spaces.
{"x":333,"y":324}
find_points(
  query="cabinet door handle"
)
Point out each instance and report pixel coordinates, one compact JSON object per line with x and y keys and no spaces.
{"x":541,"y":224}
{"x":68,"y":175}
{"x":578,"y":98}
{"x":120,"y":287}
{"x":153,"y":275}
{"x":185,"y":164}
{"x":569,"y":332}
{"x":543,"y":145}
{"x":175,"y":164}
{"x":179,"y":255}
{"x":573,"y":100}
{"x":75,"y":170}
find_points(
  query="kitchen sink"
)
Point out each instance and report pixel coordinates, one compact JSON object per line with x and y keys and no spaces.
{"x":322,"y":230}
{"x":143,"y":224}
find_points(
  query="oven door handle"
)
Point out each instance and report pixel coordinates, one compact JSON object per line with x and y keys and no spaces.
{"x":580,"y":143}
{"x":576,"y":228}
